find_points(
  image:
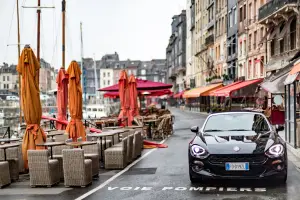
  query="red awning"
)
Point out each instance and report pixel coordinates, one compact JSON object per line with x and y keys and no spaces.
{"x":234,"y":87}
{"x":141,"y":85}
{"x":178,"y":95}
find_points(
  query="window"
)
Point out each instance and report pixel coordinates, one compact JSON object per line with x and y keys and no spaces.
{"x":262,"y":67}
{"x":104,"y":74}
{"x":254,"y":68}
{"x":236,"y":121}
{"x":261,"y":32}
{"x":3,"y":78}
{"x":241,"y":48}
{"x":108,"y":82}
{"x":235,"y":15}
{"x":250,"y":12}
{"x":108,"y":74}
{"x":230,"y":19}
{"x":250,"y":40}
{"x":281,"y":40}
{"x":245,"y":12}
{"x":293,"y":34}
{"x":7,"y":78}
{"x":245,"y":46}
{"x":254,"y":8}
{"x":143,"y":72}
{"x":104,"y":82}
{"x":254,"y":40}
{"x":273,"y":47}
{"x":241,"y":14}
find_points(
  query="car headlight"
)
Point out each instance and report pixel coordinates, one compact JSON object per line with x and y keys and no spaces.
{"x":276,"y":150}
{"x":198,"y":150}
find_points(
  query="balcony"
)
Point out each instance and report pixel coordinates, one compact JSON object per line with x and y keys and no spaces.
{"x":276,"y":8}
{"x":210,"y":40}
{"x":172,"y":73}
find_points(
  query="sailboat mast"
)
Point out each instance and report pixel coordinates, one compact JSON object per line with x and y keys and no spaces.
{"x":38,"y":29}
{"x":19,"y":54}
{"x":82,"y":68}
{"x":63,"y":33}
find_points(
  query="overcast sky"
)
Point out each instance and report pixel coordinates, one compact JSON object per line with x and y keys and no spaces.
{"x":136,"y":29}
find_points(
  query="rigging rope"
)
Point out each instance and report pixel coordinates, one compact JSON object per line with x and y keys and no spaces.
{"x":70,"y":49}
{"x":55,"y":45}
{"x":11,"y":21}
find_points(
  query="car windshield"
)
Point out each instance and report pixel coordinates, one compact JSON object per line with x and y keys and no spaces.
{"x":236,"y":122}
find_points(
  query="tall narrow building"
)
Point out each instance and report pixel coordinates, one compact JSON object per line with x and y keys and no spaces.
{"x":176,"y":53}
{"x":232,"y":36}
{"x":190,"y":45}
{"x":221,"y":37}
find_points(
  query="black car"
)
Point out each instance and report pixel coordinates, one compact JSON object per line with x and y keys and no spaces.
{"x":242,"y":145}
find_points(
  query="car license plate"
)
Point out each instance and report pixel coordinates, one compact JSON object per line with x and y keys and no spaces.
{"x":237,"y":166}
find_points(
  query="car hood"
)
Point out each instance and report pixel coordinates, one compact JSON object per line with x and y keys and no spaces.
{"x":225,"y":142}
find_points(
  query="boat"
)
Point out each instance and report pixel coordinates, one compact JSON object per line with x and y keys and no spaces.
{"x":94,"y":111}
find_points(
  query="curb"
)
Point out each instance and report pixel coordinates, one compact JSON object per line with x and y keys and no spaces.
{"x":293,"y":150}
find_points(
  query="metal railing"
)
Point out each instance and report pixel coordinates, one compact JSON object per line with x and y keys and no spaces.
{"x":272,"y":6}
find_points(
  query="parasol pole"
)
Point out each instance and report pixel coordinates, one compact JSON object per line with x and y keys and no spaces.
{"x":63,"y":33}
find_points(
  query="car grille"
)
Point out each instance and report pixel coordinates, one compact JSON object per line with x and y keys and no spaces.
{"x":251,"y":158}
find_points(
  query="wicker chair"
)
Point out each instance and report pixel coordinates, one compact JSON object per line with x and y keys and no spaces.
{"x":4,"y":174}
{"x":92,"y":152}
{"x":130,"y":148}
{"x":12,"y":155}
{"x":77,"y":170}
{"x":116,"y":156}
{"x":43,"y":172}
{"x":137,"y":150}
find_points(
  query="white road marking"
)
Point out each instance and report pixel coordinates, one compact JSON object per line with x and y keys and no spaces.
{"x":118,"y":174}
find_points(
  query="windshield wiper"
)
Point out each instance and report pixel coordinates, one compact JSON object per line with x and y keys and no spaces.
{"x":239,"y":130}
{"x":212,"y":130}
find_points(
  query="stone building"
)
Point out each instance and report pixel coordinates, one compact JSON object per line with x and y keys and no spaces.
{"x":280,"y":18}
{"x":176,"y":52}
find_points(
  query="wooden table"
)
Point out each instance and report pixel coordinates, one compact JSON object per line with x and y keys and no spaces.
{"x":81,"y":144}
{"x":8,"y":140}
{"x":104,"y":135}
{"x":7,"y":146}
{"x":57,"y":132}
{"x":51,"y":144}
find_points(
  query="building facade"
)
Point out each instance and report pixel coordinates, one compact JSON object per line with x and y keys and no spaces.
{"x":49,"y":76}
{"x":232,"y":38}
{"x":282,"y":37}
{"x":190,"y":45}
{"x":9,"y":82}
{"x":221,"y":37}
{"x":242,"y":68}
{"x":256,"y":47}
{"x":201,"y":57}
{"x":176,"y":52}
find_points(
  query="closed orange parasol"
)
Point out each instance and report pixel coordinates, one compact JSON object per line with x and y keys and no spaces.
{"x":28,"y":67}
{"x":134,"y":111}
{"x":124,"y":97}
{"x":62,"y":97}
{"x":75,"y":128}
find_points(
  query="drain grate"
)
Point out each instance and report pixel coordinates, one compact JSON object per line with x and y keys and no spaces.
{"x":140,"y":171}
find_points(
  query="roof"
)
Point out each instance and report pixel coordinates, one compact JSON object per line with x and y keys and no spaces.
{"x":201,"y":91}
{"x":141,"y":85}
{"x":227,"y":91}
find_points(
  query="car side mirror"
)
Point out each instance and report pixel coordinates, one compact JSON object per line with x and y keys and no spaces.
{"x":195,"y":129}
{"x":279,"y":128}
